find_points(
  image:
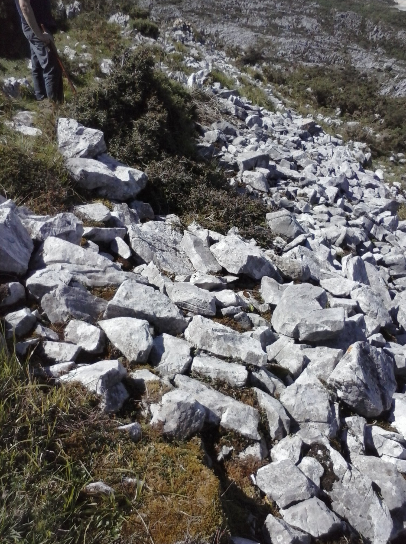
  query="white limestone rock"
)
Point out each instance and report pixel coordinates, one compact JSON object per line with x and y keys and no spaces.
{"x":234,"y":374}
{"x":59,"y":352}
{"x":15,"y":244}
{"x":63,"y":303}
{"x":223,"y":341}
{"x":364,"y":379}
{"x":90,"y":338}
{"x":240,"y":257}
{"x":192,"y":299}
{"x":19,"y":323}
{"x":277,"y":418}
{"x":170,"y":355}
{"x":75,"y":140}
{"x":134,"y":299}
{"x":277,"y":530}
{"x":11,"y":294}
{"x":198,"y":251}
{"x":129,"y":335}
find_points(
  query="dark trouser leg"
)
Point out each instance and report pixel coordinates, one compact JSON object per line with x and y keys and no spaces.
{"x":37,"y":77}
{"x":47,"y":64}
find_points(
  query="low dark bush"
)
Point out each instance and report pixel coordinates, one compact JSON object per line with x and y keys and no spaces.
{"x":141,"y":112}
{"x":146,"y":27}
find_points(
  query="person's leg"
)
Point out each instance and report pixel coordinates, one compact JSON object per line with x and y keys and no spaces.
{"x":37,"y":75}
{"x":51,"y":72}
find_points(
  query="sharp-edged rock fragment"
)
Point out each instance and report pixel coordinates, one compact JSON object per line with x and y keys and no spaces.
{"x":364,"y":379}
{"x":283,"y":223}
{"x":192,"y":299}
{"x":129,"y":335}
{"x":91,"y":339}
{"x":234,"y":374}
{"x":240,"y":257}
{"x":199,"y":253}
{"x":314,"y":517}
{"x":75,"y":140}
{"x":65,"y":302}
{"x":170,"y":355}
{"x":277,"y":530}
{"x":143,"y":302}
{"x":15,"y":244}
{"x":277,"y":418}
{"x":225,"y":342}
{"x":59,"y":352}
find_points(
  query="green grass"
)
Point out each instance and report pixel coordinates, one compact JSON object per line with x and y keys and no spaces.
{"x":55,"y":440}
{"x":222,"y":78}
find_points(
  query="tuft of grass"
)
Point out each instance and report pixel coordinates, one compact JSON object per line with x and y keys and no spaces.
{"x":146,"y":27}
{"x":222,"y":78}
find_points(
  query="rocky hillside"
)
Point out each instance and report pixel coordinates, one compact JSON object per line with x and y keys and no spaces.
{"x":203,"y":305}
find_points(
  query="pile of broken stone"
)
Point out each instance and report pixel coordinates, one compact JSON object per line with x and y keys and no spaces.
{"x":333,"y":284}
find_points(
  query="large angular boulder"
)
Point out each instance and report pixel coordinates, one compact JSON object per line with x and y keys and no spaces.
{"x":15,"y":244}
{"x":134,"y":299}
{"x":240,"y":257}
{"x":170,"y":355}
{"x":192,"y":299}
{"x":65,"y":226}
{"x":365,"y":379}
{"x":159,"y":242}
{"x":284,"y":483}
{"x":283,"y":223}
{"x":116,"y":183}
{"x":198,"y":251}
{"x":178,"y":415}
{"x":313,"y":517}
{"x":65,"y":302}
{"x":300,"y":314}
{"x":129,"y":335}
{"x":222,"y":410}
{"x":75,"y":140}
{"x":223,"y":341}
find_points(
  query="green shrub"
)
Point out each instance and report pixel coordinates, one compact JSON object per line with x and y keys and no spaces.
{"x":141,"y":112}
{"x":222,"y":78}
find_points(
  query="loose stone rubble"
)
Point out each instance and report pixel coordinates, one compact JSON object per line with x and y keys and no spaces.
{"x":310,"y":329}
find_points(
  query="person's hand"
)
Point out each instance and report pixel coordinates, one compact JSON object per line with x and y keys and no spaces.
{"x":46,"y":38}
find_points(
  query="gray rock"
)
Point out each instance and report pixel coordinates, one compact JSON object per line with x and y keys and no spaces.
{"x":313,"y":517}
{"x":88,"y":337}
{"x":75,"y":140}
{"x":199,"y":253}
{"x":240,"y":257}
{"x":93,"y":212}
{"x":98,"y":489}
{"x":353,"y":331}
{"x":11,"y":294}
{"x":59,"y":352}
{"x":19,"y":323}
{"x":110,"y":181}
{"x":272,"y":291}
{"x":283,"y":223}
{"x":277,"y":530}
{"x":120,"y":248}
{"x":339,"y":287}
{"x":221,"y":409}
{"x":170,"y":355}
{"x":354,"y":435}
{"x":192,"y":299}
{"x":300,"y":314}
{"x":133,"y":429}
{"x":65,"y":226}
{"x":310,"y":404}
{"x":206,"y":281}
{"x":397,"y":414}
{"x":312,"y":469}
{"x":364,"y":379}
{"x":129,"y":335}
{"x":223,"y":341}
{"x":268,"y":382}
{"x":277,"y":418}
{"x":178,"y":415}
{"x":382,"y":442}
{"x":137,"y":300}
{"x":232,"y":373}
{"x":289,"y":447}
{"x":103,"y":235}
{"x":46,"y":280}
{"x":322,"y":361}
{"x":372,"y":306}
{"x":160,"y":242}
{"x":354,"y":269}
{"x":289,"y":356}
{"x":284,"y":483}
{"x":354,"y":499}
{"x":15,"y":244}
{"x":63,"y":303}
{"x":291,"y":269}
{"x":392,"y":486}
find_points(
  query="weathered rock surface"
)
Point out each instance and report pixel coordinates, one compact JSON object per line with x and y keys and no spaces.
{"x":129,"y":335}
{"x":223,"y":341}
{"x":170,"y":355}
{"x":88,"y":337}
{"x":15,"y":244}
{"x":210,"y":367}
{"x":364,"y":379}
